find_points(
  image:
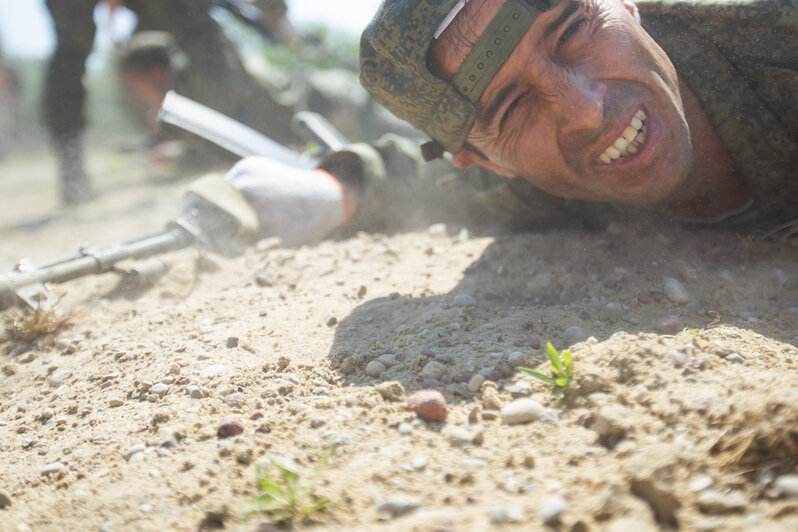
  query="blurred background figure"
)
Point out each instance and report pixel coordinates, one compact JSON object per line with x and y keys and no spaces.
{"x":9,"y":104}
{"x":196,"y":51}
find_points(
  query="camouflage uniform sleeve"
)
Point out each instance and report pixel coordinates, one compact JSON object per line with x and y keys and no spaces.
{"x":740,"y":58}
{"x":399,"y":191}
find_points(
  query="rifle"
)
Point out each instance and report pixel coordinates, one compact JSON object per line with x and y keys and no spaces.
{"x":223,"y":221}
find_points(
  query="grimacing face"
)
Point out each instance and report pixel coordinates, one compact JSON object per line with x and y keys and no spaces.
{"x":587,"y":106}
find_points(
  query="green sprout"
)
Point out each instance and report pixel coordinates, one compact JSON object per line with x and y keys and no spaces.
{"x":286,"y":497}
{"x":563,"y":369}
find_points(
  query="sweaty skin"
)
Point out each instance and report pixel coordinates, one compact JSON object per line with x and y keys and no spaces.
{"x":572,"y":88}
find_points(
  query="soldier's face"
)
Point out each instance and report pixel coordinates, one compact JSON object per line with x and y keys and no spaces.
{"x":587,"y":106}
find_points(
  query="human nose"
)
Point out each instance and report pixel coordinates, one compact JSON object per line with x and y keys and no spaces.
{"x":581,"y":104}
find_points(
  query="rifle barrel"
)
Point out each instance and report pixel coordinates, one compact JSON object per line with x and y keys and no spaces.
{"x":90,"y":262}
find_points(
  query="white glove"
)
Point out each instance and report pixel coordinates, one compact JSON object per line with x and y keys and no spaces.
{"x":299,"y":206}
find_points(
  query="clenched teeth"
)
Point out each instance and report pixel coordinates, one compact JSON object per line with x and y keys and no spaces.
{"x":630,"y":140}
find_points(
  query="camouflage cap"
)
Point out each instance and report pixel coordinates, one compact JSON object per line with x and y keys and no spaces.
{"x":394,"y":63}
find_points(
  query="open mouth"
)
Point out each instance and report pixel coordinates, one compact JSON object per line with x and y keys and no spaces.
{"x":629,"y":142}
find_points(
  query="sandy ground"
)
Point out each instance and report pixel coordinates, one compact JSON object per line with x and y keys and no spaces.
{"x":684,"y":340}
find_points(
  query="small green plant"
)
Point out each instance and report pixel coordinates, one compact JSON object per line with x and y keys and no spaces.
{"x":563,"y":369}
{"x":286,"y":497}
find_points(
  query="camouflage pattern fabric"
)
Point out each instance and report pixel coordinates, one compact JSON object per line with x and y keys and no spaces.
{"x":738,"y":56}
{"x":214,"y":76}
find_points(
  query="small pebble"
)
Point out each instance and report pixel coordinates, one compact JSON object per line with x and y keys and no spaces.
{"x":736,"y":358}
{"x":669,"y":324}
{"x":787,"y":485}
{"x":263,"y":278}
{"x":489,"y":415}
{"x":374,"y":369}
{"x":133,"y":450}
{"x":573,"y":335}
{"x":433,"y":370}
{"x":473,"y":463}
{"x":55,"y":467}
{"x":159,"y":389}
{"x":419,"y":462}
{"x":517,"y":358}
{"x":675,"y":291}
{"x":552,"y":509}
{"x":386,"y":360}
{"x":715,"y":503}
{"x":405,"y":428}
{"x":397,"y":506}
{"x":212,"y":371}
{"x":464,"y":300}
{"x":226,"y":390}
{"x":230,"y":425}
{"x":476,"y":383}
{"x":330,"y":320}
{"x":522,"y":411}
{"x":701,"y":483}
{"x":519,"y":390}
{"x":613,"y":310}
{"x":528,"y":341}
{"x":232,"y":342}
{"x":115,"y":401}
{"x":503,"y":514}
{"x":391,"y":390}
{"x":429,"y":405}
{"x":57,"y":378}
{"x":235,"y":400}
{"x":194,"y":391}
{"x":459,"y":436}
{"x":5,"y":499}
{"x":431,"y":384}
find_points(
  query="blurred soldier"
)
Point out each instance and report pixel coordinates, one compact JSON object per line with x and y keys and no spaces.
{"x":9,"y":101}
{"x":214,"y":76}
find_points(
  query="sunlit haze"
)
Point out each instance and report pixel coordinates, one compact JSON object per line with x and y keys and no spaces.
{"x":26,"y":30}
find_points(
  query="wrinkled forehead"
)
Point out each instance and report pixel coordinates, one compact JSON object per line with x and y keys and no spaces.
{"x":476,"y":37}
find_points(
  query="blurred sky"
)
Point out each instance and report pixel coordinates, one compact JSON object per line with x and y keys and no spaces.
{"x":26,"y":30}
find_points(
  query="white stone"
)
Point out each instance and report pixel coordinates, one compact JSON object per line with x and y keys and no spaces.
{"x":522,"y":411}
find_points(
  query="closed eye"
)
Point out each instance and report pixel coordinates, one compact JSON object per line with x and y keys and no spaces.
{"x":509,"y":111}
{"x":570,"y":31}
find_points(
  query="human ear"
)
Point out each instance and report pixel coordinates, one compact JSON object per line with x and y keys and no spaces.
{"x":630,"y":6}
{"x":465,"y":157}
